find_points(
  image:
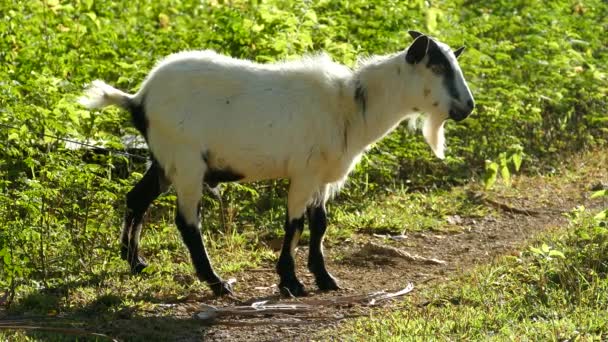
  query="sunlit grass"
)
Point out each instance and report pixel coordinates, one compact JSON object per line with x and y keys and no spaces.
{"x":554,"y":291}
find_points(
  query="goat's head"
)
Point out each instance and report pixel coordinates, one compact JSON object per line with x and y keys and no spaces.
{"x":444,"y":90}
{"x":441,"y":91}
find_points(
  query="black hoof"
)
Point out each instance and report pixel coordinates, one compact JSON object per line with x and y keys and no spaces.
{"x":222,"y":288}
{"x":327,"y":283}
{"x":292,"y":288}
{"x":138,"y":265}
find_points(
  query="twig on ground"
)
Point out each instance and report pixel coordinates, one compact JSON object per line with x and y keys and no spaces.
{"x":514,"y":210}
{"x":374,"y":248}
{"x":302,"y":307}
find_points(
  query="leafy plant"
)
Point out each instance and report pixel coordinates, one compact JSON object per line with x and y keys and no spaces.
{"x":512,"y":158}
{"x":602,"y":216}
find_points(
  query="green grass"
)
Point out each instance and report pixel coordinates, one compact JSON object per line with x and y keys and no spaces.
{"x":401,"y":211}
{"x":537,"y":70}
{"x":557,"y":289}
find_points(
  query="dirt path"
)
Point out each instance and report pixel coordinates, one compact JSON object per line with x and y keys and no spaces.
{"x":368,"y":263}
{"x":479,"y":243}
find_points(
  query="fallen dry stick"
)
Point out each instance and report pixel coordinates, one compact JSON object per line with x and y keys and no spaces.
{"x":211,"y":314}
{"x":511,"y":209}
{"x":374,"y":248}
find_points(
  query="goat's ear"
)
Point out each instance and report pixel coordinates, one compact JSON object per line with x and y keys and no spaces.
{"x":459,"y":51}
{"x":417,"y":50}
{"x":415,"y":34}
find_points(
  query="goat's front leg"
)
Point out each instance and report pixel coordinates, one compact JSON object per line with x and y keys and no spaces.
{"x":151,"y":185}
{"x":300,"y":194}
{"x":188,"y":223}
{"x":290,"y":285}
{"x":317,"y":221}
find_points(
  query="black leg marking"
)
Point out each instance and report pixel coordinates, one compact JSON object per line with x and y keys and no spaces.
{"x":289,"y":284}
{"x":138,"y":200}
{"x":194,"y":241}
{"x":317,"y":220}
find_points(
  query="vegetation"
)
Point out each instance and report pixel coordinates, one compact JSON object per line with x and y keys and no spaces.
{"x":537,"y":70}
{"x":556,"y":288}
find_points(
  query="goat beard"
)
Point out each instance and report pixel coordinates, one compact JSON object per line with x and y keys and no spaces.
{"x":434,"y":134}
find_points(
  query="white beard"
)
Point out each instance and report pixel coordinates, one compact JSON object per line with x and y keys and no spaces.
{"x":434,"y":134}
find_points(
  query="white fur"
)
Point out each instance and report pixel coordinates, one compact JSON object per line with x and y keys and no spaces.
{"x":296,"y":119}
{"x":100,"y":95}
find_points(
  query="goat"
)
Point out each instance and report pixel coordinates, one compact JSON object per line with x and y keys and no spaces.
{"x":209,"y":118}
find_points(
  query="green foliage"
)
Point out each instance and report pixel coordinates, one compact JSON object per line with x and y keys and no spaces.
{"x":513,"y":158}
{"x":602,"y":216}
{"x":556,"y":291}
{"x":537,"y":70}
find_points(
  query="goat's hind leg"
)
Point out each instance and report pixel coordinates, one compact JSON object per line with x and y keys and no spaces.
{"x":151,"y":185}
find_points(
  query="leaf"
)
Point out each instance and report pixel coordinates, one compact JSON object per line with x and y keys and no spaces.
{"x":516,"y":158}
{"x":431,"y":19}
{"x":601,"y":193}
{"x":490,"y":175}
{"x":7,"y":259}
{"x":163,"y":21}
{"x":506,"y":175}
{"x":545,"y":248}
{"x":558,"y":254}
{"x":311,"y":16}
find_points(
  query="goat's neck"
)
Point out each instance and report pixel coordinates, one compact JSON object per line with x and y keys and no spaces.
{"x":386,"y":100}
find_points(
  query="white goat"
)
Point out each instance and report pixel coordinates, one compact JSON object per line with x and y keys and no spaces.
{"x":211,"y":118}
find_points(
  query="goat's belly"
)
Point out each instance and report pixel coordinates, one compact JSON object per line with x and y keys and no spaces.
{"x":251,"y":167}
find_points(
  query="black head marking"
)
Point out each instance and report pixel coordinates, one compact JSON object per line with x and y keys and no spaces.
{"x":442,"y":65}
{"x":415,"y":34}
{"x":418,"y":49}
{"x":459,"y":51}
{"x":361,"y":96}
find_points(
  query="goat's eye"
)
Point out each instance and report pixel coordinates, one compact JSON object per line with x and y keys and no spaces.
{"x":438,"y":69}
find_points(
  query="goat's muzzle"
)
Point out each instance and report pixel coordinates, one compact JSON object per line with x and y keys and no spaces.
{"x":459,"y":113}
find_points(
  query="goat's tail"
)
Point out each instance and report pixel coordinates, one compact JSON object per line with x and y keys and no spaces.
{"x":99,"y":95}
